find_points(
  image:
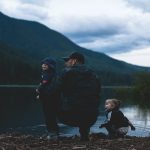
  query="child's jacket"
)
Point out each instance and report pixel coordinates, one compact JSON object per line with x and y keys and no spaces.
{"x":48,"y":79}
{"x":117,"y":119}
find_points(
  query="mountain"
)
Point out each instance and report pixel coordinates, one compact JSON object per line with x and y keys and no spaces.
{"x":23,"y":44}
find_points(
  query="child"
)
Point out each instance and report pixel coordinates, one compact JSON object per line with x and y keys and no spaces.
{"x":116,"y":124}
{"x":49,"y":96}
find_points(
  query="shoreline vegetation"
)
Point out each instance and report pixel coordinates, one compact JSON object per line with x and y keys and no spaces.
{"x":17,"y":141}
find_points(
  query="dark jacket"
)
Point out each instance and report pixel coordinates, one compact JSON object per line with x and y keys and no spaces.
{"x":80,"y":89}
{"x":117,"y":119}
{"x":48,"y":79}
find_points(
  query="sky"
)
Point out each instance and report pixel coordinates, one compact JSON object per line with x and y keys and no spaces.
{"x":119,"y":28}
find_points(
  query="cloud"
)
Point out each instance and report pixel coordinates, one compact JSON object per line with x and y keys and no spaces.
{"x":110,"y":26}
{"x":141,"y":4}
{"x":140,"y":57}
{"x":116,"y":44}
{"x":24,"y":9}
{"x":113,"y":26}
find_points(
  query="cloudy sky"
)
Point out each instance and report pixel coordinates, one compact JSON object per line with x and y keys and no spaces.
{"x":119,"y":28}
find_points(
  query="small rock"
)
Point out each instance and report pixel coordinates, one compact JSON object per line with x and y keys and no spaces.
{"x":79,"y":147}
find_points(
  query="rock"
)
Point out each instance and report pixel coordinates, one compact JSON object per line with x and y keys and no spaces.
{"x":79,"y":147}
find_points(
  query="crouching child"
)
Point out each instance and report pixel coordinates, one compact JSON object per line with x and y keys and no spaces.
{"x":116,"y":123}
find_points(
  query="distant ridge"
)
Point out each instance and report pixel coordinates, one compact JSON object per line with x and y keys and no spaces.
{"x":23,"y":44}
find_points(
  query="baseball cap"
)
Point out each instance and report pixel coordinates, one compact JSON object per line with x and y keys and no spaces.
{"x":75,"y":55}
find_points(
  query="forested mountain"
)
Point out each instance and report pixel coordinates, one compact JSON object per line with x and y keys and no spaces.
{"x":23,"y":44}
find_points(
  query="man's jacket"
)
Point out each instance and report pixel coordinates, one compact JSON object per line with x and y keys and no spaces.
{"x":80,"y":89}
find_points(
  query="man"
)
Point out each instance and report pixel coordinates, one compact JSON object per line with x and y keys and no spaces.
{"x":80,"y":90}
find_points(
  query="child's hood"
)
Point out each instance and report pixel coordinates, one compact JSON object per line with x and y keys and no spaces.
{"x":50,"y":62}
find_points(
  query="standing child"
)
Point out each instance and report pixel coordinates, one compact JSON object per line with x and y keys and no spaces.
{"x":116,"y":123}
{"x":49,"y":96}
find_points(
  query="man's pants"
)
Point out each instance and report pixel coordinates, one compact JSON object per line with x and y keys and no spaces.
{"x":82,"y":119}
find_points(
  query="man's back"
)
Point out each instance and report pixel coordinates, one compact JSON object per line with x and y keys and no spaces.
{"x":81,"y":89}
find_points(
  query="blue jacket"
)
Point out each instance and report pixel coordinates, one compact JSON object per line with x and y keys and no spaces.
{"x":48,"y":78}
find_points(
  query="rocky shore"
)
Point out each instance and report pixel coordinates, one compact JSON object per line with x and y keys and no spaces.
{"x":17,"y":141}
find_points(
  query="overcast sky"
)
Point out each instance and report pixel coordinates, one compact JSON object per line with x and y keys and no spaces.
{"x":119,"y":28}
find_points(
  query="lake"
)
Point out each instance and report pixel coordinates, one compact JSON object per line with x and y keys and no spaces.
{"x":20,"y":111}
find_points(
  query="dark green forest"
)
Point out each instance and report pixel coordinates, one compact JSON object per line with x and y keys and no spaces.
{"x":23,"y":44}
{"x":16,"y":69}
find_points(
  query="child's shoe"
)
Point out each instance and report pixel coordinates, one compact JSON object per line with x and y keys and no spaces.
{"x":53,"y":136}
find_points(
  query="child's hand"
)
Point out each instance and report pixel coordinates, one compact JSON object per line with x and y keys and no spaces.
{"x":37,"y":97}
{"x":133,"y":128}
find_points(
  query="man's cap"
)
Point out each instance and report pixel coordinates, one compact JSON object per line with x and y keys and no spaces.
{"x":75,"y":55}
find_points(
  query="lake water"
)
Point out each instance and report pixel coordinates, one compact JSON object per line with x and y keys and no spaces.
{"x":20,"y":111}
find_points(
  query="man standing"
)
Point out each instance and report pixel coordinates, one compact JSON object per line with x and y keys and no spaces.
{"x":80,"y":90}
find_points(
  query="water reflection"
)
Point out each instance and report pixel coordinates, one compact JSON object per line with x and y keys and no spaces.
{"x":19,"y":108}
{"x":20,"y":111}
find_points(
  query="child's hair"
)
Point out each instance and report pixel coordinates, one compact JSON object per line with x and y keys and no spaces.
{"x":116,"y":102}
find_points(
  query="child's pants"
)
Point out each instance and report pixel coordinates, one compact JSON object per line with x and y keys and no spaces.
{"x":50,"y":110}
{"x":123,"y":130}
{"x":116,"y":133}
